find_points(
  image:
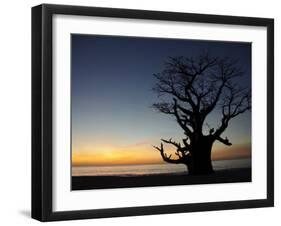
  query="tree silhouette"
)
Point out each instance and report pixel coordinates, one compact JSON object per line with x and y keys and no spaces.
{"x":193,"y":88}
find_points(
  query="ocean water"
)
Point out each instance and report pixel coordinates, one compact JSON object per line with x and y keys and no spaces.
{"x":150,"y":169}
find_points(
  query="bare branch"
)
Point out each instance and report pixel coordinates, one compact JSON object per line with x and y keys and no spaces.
{"x":181,"y":122}
{"x":236,"y":102}
{"x":177,"y":145}
{"x":165,"y":157}
{"x":224,"y":141}
{"x":164,"y":107}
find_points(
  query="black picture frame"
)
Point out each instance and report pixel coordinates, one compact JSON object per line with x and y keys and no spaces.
{"x":42,"y":103}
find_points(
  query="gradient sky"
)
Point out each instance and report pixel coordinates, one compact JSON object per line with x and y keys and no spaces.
{"x":112,"y":80}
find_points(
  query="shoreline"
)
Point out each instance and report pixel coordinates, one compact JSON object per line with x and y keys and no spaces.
{"x":171,"y":179}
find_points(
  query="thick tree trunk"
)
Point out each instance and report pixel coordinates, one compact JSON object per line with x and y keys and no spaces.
{"x":201,"y":162}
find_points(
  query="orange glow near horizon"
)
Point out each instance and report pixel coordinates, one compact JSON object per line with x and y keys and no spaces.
{"x":144,"y":153}
{"x":110,"y":155}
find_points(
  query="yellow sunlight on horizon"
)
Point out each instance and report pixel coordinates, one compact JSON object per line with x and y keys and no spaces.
{"x":144,"y":153}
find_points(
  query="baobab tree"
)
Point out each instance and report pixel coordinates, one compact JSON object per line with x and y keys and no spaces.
{"x":190,"y":89}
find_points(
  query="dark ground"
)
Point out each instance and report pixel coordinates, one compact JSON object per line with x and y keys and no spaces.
{"x":101,"y":182}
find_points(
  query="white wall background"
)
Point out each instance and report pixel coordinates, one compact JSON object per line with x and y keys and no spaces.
{"x":15,"y":114}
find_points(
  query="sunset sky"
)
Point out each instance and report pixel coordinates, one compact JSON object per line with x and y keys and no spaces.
{"x":112,"y":118}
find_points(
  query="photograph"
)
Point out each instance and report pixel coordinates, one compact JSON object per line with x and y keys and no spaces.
{"x":145,"y":112}
{"x":148,"y":111}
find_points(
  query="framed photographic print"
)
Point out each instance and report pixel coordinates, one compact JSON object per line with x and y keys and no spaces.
{"x":146,"y":112}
